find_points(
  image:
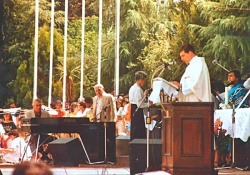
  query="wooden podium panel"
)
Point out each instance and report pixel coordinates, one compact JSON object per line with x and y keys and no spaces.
{"x":187,"y":138}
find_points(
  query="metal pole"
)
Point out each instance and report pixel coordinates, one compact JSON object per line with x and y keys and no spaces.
{"x":36,"y":50}
{"x":51,"y":49}
{"x":99,"y":43}
{"x":65,"y":52}
{"x":117,"y":47}
{"x":82,"y":50}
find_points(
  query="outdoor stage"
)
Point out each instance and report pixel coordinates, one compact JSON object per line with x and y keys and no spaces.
{"x":109,"y":169}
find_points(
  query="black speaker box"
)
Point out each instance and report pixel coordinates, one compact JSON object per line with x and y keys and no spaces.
{"x":138,"y":155}
{"x":93,"y":137}
{"x":67,"y":152}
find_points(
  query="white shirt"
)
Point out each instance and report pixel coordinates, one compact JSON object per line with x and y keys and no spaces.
{"x":19,"y":146}
{"x":247,"y":84}
{"x":2,"y":131}
{"x":195,"y":82}
{"x":98,"y":107}
{"x":84,"y":113}
{"x":136,"y":96}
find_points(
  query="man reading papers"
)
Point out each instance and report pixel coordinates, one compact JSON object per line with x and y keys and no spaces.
{"x":195,"y":82}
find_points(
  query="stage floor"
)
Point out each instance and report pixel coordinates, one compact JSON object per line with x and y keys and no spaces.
{"x":93,"y":170}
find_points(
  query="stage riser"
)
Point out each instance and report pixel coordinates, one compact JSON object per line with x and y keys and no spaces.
{"x":122,"y":145}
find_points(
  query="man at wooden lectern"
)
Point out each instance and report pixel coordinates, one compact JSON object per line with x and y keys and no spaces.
{"x":195,"y":82}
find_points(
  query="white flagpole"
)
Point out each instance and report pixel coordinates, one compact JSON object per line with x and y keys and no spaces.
{"x":82,"y":50}
{"x":36,"y":50}
{"x":117,"y":47}
{"x":65,"y":52}
{"x":99,"y":43}
{"x":51,"y":49}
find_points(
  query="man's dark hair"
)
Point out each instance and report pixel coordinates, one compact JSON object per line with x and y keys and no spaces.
{"x":140,"y":75}
{"x":13,"y":132}
{"x":88,"y":100}
{"x":220,"y":86}
{"x":186,"y":48}
{"x":236,"y":74}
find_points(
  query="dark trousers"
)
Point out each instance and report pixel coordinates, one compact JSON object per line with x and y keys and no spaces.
{"x":138,"y":130}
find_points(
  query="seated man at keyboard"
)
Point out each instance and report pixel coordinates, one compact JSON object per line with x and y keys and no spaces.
{"x":37,"y":111}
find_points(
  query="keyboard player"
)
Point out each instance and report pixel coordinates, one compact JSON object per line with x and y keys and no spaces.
{"x":37,"y":111}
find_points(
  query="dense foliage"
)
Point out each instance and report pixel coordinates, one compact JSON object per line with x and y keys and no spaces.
{"x":151,"y":33}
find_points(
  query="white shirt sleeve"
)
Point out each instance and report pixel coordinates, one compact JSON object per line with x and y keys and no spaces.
{"x":247,"y":84}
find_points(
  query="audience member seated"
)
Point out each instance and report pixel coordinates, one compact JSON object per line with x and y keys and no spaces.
{"x":127,"y":115}
{"x":18,"y":151}
{"x":32,"y":168}
{"x":120,"y":124}
{"x":89,"y":105}
{"x":218,"y":93}
{"x":8,"y":125}
{"x":89,"y":102}
{"x":83,"y":110}
{"x":67,"y":106}
{"x":59,"y":110}
{"x":15,"y":115}
{"x":73,"y":110}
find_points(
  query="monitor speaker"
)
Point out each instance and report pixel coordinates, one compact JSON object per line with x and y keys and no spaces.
{"x":138,"y":155}
{"x":67,"y":152}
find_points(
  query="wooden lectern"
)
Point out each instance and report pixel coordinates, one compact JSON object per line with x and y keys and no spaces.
{"x":187,"y":138}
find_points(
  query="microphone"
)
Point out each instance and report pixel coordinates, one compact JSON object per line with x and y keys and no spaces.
{"x":166,"y":65}
{"x":214,"y":61}
{"x":163,"y":66}
{"x":149,"y":91}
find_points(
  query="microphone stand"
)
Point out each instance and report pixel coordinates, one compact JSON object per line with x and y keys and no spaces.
{"x":105,"y":161}
{"x":148,"y":122}
{"x":233,"y":164}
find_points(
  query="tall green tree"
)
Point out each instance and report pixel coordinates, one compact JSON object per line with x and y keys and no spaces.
{"x":151,"y":33}
{"x":227,"y":35}
{"x":23,"y":85}
{"x":18,"y":28}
